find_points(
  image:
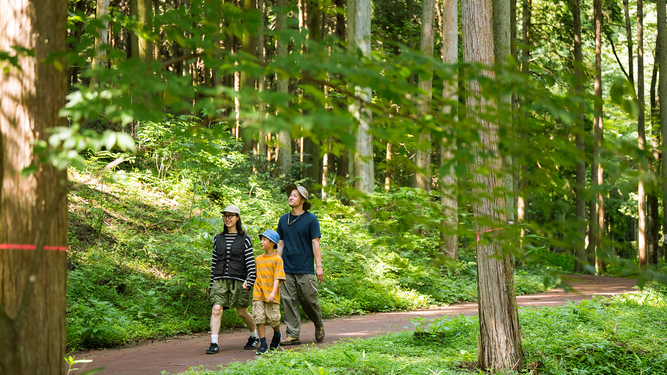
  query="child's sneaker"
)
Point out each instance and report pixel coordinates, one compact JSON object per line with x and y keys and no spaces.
{"x":212,"y":349}
{"x":262,"y":350}
{"x":275,"y":341}
{"x":252,"y":343}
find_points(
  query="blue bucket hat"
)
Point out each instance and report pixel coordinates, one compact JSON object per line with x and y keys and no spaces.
{"x":272,"y":235}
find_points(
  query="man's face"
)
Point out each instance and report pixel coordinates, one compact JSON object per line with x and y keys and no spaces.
{"x":295,"y":199}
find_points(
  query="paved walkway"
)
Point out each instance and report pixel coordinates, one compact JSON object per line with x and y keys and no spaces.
{"x":178,"y":354}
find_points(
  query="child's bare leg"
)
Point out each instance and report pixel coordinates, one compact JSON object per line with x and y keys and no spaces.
{"x":261,"y":330}
{"x":276,"y":328}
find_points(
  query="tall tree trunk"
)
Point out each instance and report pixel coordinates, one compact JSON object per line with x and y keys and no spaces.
{"x":423,"y":155}
{"x":33,"y":209}
{"x":311,"y":168}
{"x":502,"y":51}
{"x":595,"y":245}
{"x":580,"y":249}
{"x":628,"y":35}
{"x":661,"y":52}
{"x":525,"y":58}
{"x":499,"y":339}
{"x":101,"y":38}
{"x":641,"y":138}
{"x":652,"y":196}
{"x":142,"y":48}
{"x":363,"y":157}
{"x":249,"y":46}
{"x":388,"y":168}
{"x":448,"y":182}
{"x":284,"y":150}
{"x":261,"y":85}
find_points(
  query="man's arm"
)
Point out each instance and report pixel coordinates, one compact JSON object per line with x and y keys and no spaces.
{"x":279,"y":250}
{"x":317,"y":253}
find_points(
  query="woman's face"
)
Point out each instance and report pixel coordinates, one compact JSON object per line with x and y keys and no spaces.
{"x":231,"y":219}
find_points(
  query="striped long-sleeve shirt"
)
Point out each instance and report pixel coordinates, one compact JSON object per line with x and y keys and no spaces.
{"x":221,"y":247}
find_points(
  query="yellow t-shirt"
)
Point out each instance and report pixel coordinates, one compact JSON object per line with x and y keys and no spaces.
{"x":268,"y":268}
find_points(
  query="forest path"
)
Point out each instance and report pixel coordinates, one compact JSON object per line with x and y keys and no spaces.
{"x":176,"y":355}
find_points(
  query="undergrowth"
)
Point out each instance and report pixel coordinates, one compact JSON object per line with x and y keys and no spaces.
{"x":623,"y":335}
{"x":140,"y":248}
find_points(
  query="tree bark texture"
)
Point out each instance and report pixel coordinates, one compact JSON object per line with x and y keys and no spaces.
{"x":448,"y":180}
{"x":363,"y":157}
{"x":423,"y":154}
{"x":580,"y":249}
{"x":33,"y":209}
{"x":284,"y":139}
{"x":641,"y":138}
{"x":499,"y":339}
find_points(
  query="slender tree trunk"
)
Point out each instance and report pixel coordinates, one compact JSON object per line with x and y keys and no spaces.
{"x":661,"y":52}
{"x":261,"y":85}
{"x":628,"y":34}
{"x":502,"y":52}
{"x":351,"y":11}
{"x":652,"y":196}
{"x":597,"y":172}
{"x":363,"y":158}
{"x":580,"y":250}
{"x":423,"y":155}
{"x":142,"y":48}
{"x":388,"y":167}
{"x":641,"y":138}
{"x":101,"y":38}
{"x":284,"y":150}
{"x":448,"y":181}
{"x":311,"y":168}
{"x":525,"y":58}
{"x":33,"y":209}
{"x":499,"y":339}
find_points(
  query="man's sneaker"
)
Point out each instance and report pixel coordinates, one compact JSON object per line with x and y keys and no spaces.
{"x":212,"y":349}
{"x":291,"y":341}
{"x":275,"y":341}
{"x":252,"y":343}
{"x":319,"y":333}
{"x":262,"y":350}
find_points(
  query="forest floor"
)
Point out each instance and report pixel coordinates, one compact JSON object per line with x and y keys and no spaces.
{"x":178,"y":354}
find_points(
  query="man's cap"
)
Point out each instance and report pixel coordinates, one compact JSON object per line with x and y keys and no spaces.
{"x":232,"y":209}
{"x":272,"y":235}
{"x":302,"y":191}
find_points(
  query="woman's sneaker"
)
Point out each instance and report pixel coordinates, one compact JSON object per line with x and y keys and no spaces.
{"x":252,"y":343}
{"x":275,"y":341}
{"x":212,"y":349}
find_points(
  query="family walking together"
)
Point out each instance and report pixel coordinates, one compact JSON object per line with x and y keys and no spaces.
{"x":288,"y":270}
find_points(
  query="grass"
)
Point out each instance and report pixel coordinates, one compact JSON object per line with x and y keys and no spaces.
{"x":623,"y":335}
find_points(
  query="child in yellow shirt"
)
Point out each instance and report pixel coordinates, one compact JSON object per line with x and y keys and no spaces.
{"x":266,"y":293}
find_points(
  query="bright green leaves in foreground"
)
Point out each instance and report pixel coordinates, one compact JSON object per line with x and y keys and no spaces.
{"x":624,"y":335}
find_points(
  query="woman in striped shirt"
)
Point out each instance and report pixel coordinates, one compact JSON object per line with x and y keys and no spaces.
{"x":232,"y":276}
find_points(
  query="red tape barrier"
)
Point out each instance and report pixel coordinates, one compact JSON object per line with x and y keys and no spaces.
{"x":490,"y":230}
{"x":12,"y":246}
